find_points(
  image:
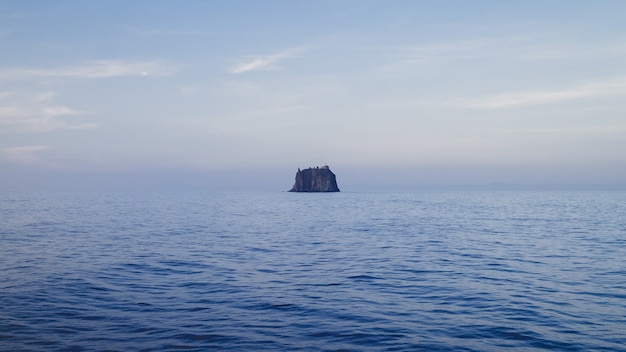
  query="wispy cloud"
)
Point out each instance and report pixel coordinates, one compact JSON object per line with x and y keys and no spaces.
{"x":14,"y":16}
{"x":547,"y":55}
{"x":93,"y":69}
{"x":24,"y":154}
{"x":38,"y":112}
{"x":422,"y":54}
{"x":611,"y":87}
{"x":528,"y":47}
{"x":266,"y":62}
{"x":166,"y":32}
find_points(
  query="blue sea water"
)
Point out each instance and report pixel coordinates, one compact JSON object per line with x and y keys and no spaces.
{"x":431,"y":271}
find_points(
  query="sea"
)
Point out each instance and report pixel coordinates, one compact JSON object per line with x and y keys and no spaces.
{"x":276,"y":271}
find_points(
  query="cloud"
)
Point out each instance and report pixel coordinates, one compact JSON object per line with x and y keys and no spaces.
{"x":611,"y":87}
{"x":38,"y":112}
{"x":529,"y":47}
{"x":547,"y":55}
{"x":14,"y":16}
{"x":166,"y":32}
{"x":435,"y":52}
{"x":267,"y":62}
{"x":25,"y":154}
{"x":93,"y":69}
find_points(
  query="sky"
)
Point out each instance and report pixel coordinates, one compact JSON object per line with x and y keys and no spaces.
{"x":237,"y":95}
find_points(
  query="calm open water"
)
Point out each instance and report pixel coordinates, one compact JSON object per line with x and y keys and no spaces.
{"x":432,"y":271}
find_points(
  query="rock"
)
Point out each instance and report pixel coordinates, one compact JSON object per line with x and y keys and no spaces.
{"x":318,"y":179}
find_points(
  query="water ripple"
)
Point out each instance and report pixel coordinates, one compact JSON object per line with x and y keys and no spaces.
{"x":475,"y":271}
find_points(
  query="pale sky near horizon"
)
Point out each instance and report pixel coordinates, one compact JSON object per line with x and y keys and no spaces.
{"x":431,"y":92}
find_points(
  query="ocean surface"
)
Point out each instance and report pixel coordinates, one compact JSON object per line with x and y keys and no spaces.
{"x":421,"y":271}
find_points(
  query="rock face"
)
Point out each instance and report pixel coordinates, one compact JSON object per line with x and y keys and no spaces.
{"x":318,"y":179}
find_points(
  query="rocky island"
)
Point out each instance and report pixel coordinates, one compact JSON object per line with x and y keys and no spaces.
{"x":317,"y":179}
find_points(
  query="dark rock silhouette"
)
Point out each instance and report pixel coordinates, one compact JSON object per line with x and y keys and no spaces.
{"x":318,"y":179}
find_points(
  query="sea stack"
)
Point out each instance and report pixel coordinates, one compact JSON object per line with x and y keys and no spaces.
{"x":315,"y":179}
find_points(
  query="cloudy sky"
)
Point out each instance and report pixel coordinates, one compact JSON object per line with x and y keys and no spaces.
{"x":244,"y":92}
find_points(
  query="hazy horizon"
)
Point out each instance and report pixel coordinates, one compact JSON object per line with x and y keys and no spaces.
{"x":237,"y":95}
{"x":282,"y":179}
